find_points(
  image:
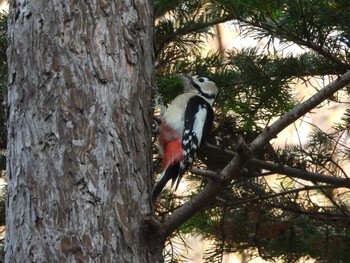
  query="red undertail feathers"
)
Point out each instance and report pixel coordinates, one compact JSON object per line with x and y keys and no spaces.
{"x":172,"y":153}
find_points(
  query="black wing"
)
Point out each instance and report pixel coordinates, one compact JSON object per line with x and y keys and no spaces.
{"x":199,"y":118}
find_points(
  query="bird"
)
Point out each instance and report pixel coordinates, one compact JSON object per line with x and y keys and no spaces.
{"x":185,"y":126}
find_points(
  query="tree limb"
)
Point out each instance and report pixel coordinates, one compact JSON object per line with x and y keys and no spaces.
{"x":300,"y":110}
{"x":301,"y":174}
{"x":285,"y":170}
{"x":276,"y":168}
{"x":203,"y":198}
{"x":282,"y":32}
{"x":189,"y":29}
{"x":274,"y":195}
{"x":232,"y":170}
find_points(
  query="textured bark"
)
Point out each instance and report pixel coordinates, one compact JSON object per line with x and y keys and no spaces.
{"x":79,"y":166}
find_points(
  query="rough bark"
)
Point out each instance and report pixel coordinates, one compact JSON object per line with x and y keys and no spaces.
{"x":79,"y":166}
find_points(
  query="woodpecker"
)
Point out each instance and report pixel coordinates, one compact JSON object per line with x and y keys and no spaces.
{"x":185,"y":125}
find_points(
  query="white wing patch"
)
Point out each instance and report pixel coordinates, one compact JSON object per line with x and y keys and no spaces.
{"x":198,"y":125}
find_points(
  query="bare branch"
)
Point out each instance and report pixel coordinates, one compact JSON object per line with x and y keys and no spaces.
{"x":205,"y":173}
{"x":277,"y":168}
{"x":301,"y":174}
{"x":271,"y":132}
{"x":283,"y":193}
{"x":285,"y":170}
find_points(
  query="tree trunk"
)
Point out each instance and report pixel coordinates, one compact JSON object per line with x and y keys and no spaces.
{"x":79,"y":136}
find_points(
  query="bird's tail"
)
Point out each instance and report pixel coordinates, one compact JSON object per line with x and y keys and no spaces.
{"x":171,"y":172}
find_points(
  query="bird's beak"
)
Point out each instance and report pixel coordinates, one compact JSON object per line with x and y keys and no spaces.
{"x":184,"y":78}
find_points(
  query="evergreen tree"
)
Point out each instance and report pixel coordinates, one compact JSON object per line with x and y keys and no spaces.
{"x":79,"y":135}
{"x":258,"y":85}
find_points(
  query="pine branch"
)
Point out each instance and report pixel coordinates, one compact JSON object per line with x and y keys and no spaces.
{"x":285,"y":170}
{"x":274,"y":195}
{"x":291,"y":116}
{"x":188,"y":29}
{"x":232,"y":170}
{"x":275,"y":168}
{"x":276,"y":28}
{"x":301,"y":174}
{"x":203,"y":198}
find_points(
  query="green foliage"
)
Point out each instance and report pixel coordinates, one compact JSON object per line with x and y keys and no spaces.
{"x":251,"y":215}
{"x":257,"y":85}
{"x":170,"y":85}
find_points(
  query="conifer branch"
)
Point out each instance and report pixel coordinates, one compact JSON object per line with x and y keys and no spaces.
{"x":300,"y":110}
{"x":232,"y":170}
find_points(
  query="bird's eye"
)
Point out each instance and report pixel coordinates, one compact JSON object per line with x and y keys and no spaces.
{"x":200,"y":79}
